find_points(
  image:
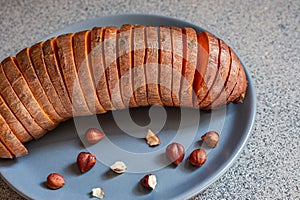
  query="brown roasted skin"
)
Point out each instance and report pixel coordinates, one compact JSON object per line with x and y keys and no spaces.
{"x":139,"y":80}
{"x":43,"y":82}
{"x":109,"y":68}
{"x":4,"y":152}
{"x":125,"y":49}
{"x":151,"y":66}
{"x":165,"y":62}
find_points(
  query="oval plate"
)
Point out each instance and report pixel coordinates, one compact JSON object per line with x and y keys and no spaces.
{"x":57,"y":151}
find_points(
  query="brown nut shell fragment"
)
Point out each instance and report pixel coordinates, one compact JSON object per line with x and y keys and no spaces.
{"x":149,"y":181}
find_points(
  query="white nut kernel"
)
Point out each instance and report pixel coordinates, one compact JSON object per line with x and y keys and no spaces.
{"x":152,"y":139}
{"x":149,"y":181}
{"x":119,"y":167}
{"x":98,"y":192}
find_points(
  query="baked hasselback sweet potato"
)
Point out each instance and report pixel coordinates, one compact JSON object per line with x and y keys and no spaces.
{"x":104,"y":69}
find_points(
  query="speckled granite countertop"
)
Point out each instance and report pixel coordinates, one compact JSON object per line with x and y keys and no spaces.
{"x":266,"y":34}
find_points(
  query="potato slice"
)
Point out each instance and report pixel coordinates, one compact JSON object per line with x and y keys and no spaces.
{"x":28,"y":72}
{"x":125,"y":47}
{"x":239,"y":90}
{"x":68,"y":68}
{"x":190,"y":50}
{"x":18,"y":83}
{"x":165,"y":65}
{"x":14,"y":124}
{"x":177,"y":61}
{"x":211,"y":70}
{"x":139,"y":47}
{"x":111,"y":66}
{"x":38,"y":62}
{"x":4,"y":152}
{"x":225,"y":67}
{"x":55,"y":73}
{"x":152,"y":66}
{"x":81,"y":47}
{"x":18,"y":108}
{"x":218,"y":89}
{"x":10,"y":140}
{"x":98,"y":69}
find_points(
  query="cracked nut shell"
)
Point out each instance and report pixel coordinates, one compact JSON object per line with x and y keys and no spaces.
{"x":149,"y":181}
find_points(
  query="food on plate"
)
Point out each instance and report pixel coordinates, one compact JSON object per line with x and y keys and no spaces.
{"x":98,"y":193}
{"x":104,"y":69}
{"x":175,"y":153}
{"x":86,"y":161}
{"x":119,"y":167}
{"x":152,"y":139}
{"x":94,"y":135}
{"x":211,"y":138}
{"x":149,"y":181}
{"x":197,"y":157}
{"x":55,"y":181}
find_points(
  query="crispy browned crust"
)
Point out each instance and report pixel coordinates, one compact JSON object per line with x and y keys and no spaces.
{"x":43,"y":82}
{"x":210,"y":72}
{"x":28,"y":71}
{"x":111,"y":66}
{"x":4,"y":152}
{"x":190,"y":47}
{"x":177,"y":60}
{"x":18,"y":108}
{"x":225,"y":67}
{"x":81,"y":47}
{"x":217,"y":91}
{"x":165,"y":65}
{"x":125,"y":65}
{"x":14,"y":124}
{"x":98,"y":68}
{"x":67,"y":65}
{"x":151,"y":65}
{"x":56,"y":77}
{"x":23,"y":92}
{"x":10,"y":141}
{"x":139,"y":80}
{"x":239,"y":91}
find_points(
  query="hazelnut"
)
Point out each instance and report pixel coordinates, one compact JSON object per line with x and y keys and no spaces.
{"x":175,"y":152}
{"x":197,"y":157}
{"x":152,"y":139}
{"x":86,"y":161}
{"x":94,"y":135}
{"x":149,"y":181}
{"x":55,"y":181}
{"x":98,"y":193}
{"x":118,"y":167}
{"x":211,"y":138}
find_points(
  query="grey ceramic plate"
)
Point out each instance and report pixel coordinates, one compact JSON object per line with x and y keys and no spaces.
{"x":57,"y":151}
